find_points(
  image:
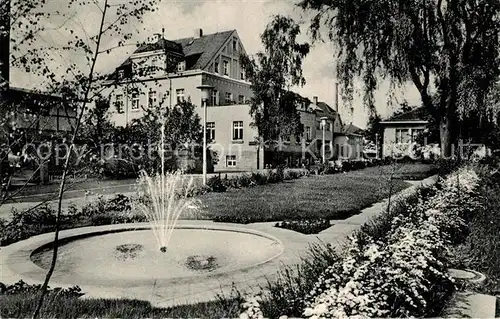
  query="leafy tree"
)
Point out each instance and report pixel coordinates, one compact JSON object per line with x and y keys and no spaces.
{"x":445,"y":47}
{"x":272,"y":73}
{"x":139,"y":142}
{"x":373,"y":126}
{"x":68,"y":65}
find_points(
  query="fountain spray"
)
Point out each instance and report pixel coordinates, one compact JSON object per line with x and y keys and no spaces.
{"x":169,"y":197}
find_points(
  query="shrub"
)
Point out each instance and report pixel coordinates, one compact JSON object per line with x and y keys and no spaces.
{"x":119,"y":169}
{"x":21,"y":287}
{"x":280,"y":173}
{"x":395,"y":267}
{"x":42,"y":219}
{"x":274,"y":177}
{"x":446,"y":165}
{"x":216,"y":184}
{"x":305,"y":226}
{"x":245,"y":181}
{"x":404,"y":272}
{"x":25,"y":224}
{"x":287,"y":293}
{"x":293,"y":174}
{"x":235,"y":219}
{"x":258,"y":178}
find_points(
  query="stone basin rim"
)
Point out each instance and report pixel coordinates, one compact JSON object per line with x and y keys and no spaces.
{"x":21,"y":252}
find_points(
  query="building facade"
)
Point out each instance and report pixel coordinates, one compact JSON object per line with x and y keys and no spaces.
{"x":164,"y":73}
{"x":402,"y":132}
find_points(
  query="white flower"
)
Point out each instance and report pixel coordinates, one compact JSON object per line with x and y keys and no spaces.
{"x":320,"y":309}
{"x":308,"y":312}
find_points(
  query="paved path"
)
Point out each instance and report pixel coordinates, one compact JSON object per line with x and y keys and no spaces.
{"x":15,"y":262}
{"x":345,"y":227}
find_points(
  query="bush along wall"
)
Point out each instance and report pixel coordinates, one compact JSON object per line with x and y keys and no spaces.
{"x":221,"y":184}
{"x":401,"y":272}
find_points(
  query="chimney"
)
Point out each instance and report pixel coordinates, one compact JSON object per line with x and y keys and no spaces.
{"x":5,"y":44}
{"x":337,"y":97}
{"x":315,"y":100}
{"x":198,"y":33}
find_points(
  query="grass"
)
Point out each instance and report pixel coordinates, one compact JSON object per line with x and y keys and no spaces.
{"x":335,"y":196}
{"x":22,"y":306}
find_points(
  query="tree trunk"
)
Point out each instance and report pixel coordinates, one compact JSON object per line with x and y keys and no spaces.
{"x":445,"y":138}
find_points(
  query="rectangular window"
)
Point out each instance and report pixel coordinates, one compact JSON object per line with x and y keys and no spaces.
{"x":308,"y":133}
{"x":135,"y":101}
{"x":237,"y":130}
{"x":242,"y":74}
{"x":215,"y":97}
{"x":231,"y":161}
{"x":228,"y":98}
{"x":119,"y":103}
{"x":226,"y":68}
{"x":216,"y":67}
{"x":181,"y":66}
{"x":235,"y":45}
{"x":402,"y":135}
{"x":328,"y":126}
{"x":180,"y":94}
{"x":241,"y":99}
{"x":152,"y":98}
{"x":211,"y":131}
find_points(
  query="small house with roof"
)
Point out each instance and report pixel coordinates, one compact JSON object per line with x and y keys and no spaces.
{"x":401,"y":131}
{"x":350,"y":142}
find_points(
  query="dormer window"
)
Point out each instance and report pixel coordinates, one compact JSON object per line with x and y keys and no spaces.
{"x":242,"y":74}
{"x":226,"y":68}
{"x":181,"y":66}
{"x":216,"y":67}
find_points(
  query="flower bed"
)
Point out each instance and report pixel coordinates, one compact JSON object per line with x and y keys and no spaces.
{"x":397,"y":265}
{"x":399,"y":275}
{"x":305,"y":226}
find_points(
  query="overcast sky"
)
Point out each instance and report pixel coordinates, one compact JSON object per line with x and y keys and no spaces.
{"x":249,"y":17}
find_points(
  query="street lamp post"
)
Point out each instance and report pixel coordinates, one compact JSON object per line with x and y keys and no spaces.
{"x":323,"y":124}
{"x":205,"y":94}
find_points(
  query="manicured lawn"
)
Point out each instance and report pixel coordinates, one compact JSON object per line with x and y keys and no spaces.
{"x":335,"y":196}
{"x":22,"y":306}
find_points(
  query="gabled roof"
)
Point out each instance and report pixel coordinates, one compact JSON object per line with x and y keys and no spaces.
{"x":206,"y":47}
{"x":417,"y":114}
{"x":323,"y":109}
{"x":161,"y":44}
{"x":353,"y":129}
{"x":197,"y":51}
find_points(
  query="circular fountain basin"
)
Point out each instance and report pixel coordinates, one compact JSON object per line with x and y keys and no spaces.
{"x":133,"y":256}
